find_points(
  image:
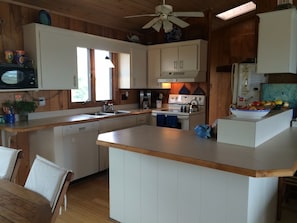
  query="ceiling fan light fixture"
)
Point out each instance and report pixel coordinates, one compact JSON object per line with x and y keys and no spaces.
{"x":237,"y":11}
{"x":166,"y":17}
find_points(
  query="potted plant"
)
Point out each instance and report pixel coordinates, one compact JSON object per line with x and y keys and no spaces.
{"x":21,"y":107}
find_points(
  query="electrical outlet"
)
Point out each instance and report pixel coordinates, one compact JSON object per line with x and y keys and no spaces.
{"x":41,"y":101}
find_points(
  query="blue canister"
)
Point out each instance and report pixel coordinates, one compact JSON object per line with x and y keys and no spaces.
{"x":2,"y":119}
{"x":9,"y":118}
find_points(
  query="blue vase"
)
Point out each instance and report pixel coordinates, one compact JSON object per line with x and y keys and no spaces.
{"x":9,"y":118}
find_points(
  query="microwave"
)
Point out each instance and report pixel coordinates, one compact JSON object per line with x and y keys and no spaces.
{"x":16,"y":77}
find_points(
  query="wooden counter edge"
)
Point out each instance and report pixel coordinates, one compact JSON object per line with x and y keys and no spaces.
{"x":204,"y":163}
{"x":17,"y":128}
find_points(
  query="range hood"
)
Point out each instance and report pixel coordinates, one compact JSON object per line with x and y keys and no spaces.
{"x":185,"y":76}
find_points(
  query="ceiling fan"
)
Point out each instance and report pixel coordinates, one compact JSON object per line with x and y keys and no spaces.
{"x":166,"y":17}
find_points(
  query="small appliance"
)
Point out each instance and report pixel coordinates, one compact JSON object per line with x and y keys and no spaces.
{"x":17,"y":77}
{"x":145,"y":99}
{"x":246,"y":83}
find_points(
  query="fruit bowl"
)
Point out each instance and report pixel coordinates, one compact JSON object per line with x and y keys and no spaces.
{"x":251,"y":114}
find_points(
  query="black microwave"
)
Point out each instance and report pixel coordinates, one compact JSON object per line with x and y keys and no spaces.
{"x":16,"y":77}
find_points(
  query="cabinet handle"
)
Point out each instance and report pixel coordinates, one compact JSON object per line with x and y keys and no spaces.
{"x":175,"y":64}
{"x":181,"y":64}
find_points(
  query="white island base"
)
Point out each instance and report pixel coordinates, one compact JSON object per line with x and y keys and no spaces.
{"x":148,"y":189}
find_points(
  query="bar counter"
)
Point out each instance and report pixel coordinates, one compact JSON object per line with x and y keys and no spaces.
{"x":274,"y":158}
{"x":166,"y":175}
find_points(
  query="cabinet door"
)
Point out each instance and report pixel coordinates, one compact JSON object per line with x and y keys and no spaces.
{"x":138,"y":66}
{"x":143,"y":119}
{"x":187,"y":57}
{"x":169,"y":59}
{"x":58,"y":63}
{"x":154,"y":67}
{"x":277,"y":47}
{"x":111,"y":125}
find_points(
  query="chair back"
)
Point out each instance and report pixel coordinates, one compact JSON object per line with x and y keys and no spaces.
{"x":50,"y":180}
{"x":10,"y":160}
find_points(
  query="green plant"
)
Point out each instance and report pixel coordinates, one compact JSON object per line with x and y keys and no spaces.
{"x":24,"y":106}
{"x":21,"y":106}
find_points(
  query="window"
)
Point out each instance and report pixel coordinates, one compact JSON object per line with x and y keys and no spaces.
{"x":82,"y":94}
{"x":103,"y":76}
{"x":94,"y":77}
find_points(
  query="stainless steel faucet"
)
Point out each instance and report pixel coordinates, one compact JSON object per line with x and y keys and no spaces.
{"x":108,"y":107}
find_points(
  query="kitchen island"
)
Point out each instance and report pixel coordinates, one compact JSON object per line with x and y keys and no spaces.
{"x":168,"y":175}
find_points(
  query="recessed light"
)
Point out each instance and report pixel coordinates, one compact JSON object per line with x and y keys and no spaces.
{"x":237,"y":11}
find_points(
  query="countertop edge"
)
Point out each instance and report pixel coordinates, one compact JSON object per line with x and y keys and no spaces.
{"x":251,"y":172}
{"x":38,"y":124}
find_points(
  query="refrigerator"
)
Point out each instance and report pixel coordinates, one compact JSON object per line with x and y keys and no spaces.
{"x":246,"y":83}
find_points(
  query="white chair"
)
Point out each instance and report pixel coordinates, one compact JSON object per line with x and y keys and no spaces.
{"x":50,"y":180}
{"x":10,"y":160}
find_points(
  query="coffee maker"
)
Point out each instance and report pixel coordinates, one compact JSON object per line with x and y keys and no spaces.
{"x":145,"y":99}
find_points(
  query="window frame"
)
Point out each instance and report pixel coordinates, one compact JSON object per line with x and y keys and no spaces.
{"x":115,"y":89}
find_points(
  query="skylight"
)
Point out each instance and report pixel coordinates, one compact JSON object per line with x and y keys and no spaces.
{"x":237,"y":11}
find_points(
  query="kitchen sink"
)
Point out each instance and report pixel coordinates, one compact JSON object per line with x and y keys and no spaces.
{"x":119,"y":112}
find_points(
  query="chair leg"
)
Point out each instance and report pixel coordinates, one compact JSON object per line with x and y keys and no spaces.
{"x":279,"y":198}
{"x":65,"y":202}
{"x":65,"y":205}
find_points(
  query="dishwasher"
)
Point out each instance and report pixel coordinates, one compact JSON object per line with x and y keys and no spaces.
{"x":71,"y":146}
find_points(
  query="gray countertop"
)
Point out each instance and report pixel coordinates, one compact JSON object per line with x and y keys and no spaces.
{"x":276,"y":157}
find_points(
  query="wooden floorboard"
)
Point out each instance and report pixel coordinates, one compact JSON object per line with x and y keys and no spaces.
{"x":88,"y":202}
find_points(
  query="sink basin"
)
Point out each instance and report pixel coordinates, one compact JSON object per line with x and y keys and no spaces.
{"x":108,"y":113}
{"x":118,"y":112}
{"x":96,"y":113}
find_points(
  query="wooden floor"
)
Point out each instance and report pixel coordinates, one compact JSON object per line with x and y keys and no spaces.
{"x":88,"y":202}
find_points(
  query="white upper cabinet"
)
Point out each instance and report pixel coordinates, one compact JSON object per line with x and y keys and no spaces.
{"x":53,"y":51}
{"x":133,"y":68}
{"x":186,"y":56}
{"x":154,"y":67}
{"x":184,"y":61}
{"x":179,"y":58}
{"x":277,"y":42}
{"x":139,"y":66}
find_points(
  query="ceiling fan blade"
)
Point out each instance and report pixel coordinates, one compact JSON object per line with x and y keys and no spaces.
{"x":188,"y":14}
{"x":151,"y":23}
{"x":167,"y":26}
{"x":178,"y":21}
{"x":157,"y":26}
{"x":143,"y":15}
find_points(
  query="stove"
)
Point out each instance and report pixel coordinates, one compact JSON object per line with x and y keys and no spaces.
{"x":189,"y":110}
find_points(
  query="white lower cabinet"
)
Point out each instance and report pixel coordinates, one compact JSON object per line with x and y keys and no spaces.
{"x":143,"y":119}
{"x":146,"y":189}
{"x":72,"y":147}
{"x":107,"y":125}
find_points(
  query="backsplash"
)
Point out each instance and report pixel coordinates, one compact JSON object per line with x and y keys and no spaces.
{"x":285,"y":92}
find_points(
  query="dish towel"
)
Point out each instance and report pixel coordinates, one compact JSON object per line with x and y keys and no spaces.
{"x":171,"y":121}
{"x":161,"y":120}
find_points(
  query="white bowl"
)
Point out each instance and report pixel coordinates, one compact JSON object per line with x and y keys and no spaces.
{"x":251,"y":114}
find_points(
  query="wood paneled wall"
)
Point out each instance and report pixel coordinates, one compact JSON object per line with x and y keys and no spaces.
{"x":228,"y":45}
{"x":12,"y":19}
{"x":234,"y":44}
